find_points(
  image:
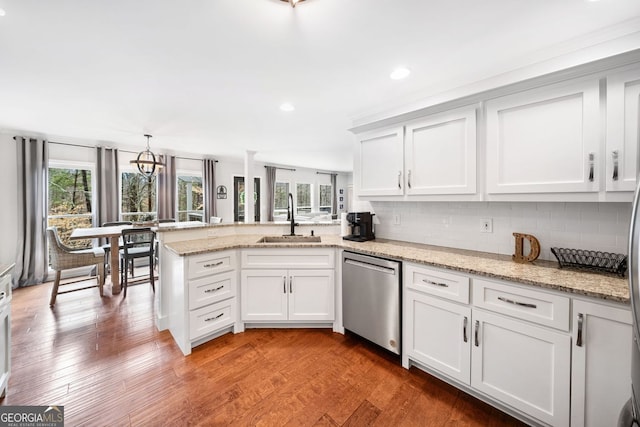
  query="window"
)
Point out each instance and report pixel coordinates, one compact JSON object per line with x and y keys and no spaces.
{"x":281,"y":199}
{"x":325,"y":198}
{"x":303,"y":198}
{"x":238,"y":199}
{"x":70,"y":201}
{"x":190,"y":198}
{"x":138,"y":197}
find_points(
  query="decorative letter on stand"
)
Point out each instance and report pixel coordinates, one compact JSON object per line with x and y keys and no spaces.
{"x":534,"y":253}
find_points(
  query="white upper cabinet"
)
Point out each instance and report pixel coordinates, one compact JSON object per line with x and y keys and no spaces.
{"x":431,"y":156}
{"x":440,"y":154}
{"x":545,"y":140}
{"x":379,"y":156}
{"x":623,"y":137}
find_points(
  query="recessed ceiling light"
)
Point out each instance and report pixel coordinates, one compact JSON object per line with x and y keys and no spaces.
{"x":287,"y":107}
{"x":399,"y":73}
{"x":2,"y":12}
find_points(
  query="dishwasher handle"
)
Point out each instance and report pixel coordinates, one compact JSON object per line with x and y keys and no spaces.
{"x":368,"y":266}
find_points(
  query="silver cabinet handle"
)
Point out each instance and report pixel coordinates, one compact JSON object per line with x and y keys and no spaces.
{"x":399,"y":179}
{"x":579,"y":335}
{"x":464,"y":329}
{"x":409,"y":178}
{"x":284,"y":284}
{"x":215,"y":264}
{"x":3,"y":295}
{"x":290,"y":284}
{"x":614,"y":155}
{"x":592,"y":157}
{"x":213,"y":290}
{"x":521,"y":304}
{"x":444,"y":285}
{"x":475,"y":333}
{"x":214,"y":318}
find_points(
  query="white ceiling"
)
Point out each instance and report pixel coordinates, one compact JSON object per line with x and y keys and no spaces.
{"x":208,"y":76}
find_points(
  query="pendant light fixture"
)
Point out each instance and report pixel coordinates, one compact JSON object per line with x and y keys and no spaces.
{"x":148,"y":163}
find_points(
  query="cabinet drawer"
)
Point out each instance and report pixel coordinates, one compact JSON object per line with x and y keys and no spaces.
{"x":211,"y":318}
{"x":527,"y":304}
{"x":210,"y":289}
{"x":288,"y":258}
{"x":446,"y":285}
{"x":205,"y":264}
{"x":5,"y":289}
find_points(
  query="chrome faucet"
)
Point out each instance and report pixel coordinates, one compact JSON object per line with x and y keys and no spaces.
{"x":290,"y":215}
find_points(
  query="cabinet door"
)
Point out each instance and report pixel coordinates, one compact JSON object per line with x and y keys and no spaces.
{"x":311,"y":295}
{"x":263,"y":294}
{"x":440,"y":154}
{"x":601,"y":365}
{"x":437,"y":334}
{"x":379,"y":170}
{"x":5,"y":347}
{"x":545,"y":140}
{"x":525,"y":366}
{"x":623,"y":134}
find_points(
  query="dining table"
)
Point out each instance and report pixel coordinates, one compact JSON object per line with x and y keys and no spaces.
{"x":112,"y":233}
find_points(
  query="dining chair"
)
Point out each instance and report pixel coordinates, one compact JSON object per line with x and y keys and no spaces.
{"x":136,"y":243}
{"x":63,"y":257}
{"x":107,"y":246}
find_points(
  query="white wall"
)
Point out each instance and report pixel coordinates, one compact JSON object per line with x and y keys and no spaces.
{"x":9,"y":191}
{"x":593,"y":226}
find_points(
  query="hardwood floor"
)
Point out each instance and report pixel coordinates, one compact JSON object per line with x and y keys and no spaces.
{"x":104,"y":360}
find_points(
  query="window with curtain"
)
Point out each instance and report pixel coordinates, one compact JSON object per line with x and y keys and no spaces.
{"x":281,"y":198}
{"x":303,"y":198}
{"x":325,"y":197}
{"x":70,"y":201}
{"x":190,"y":198}
{"x":138,"y":196}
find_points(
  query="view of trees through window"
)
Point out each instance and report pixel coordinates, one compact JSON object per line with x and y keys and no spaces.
{"x":190,"y":198}
{"x":70,"y":203}
{"x":281,"y":198}
{"x":325,"y":198}
{"x":303,"y":198}
{"x":138,"y":197}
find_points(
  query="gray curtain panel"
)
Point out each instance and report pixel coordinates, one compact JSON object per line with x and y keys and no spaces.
{"x":108,"y":185}
{"x":167,"y":189}
{"x":32,"y":262}
{"x":271,"y":189}
{"x":334,"y":198}
{"x":209,"y":183}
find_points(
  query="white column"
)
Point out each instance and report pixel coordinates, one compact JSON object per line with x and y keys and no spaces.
{"x":249,"y":205}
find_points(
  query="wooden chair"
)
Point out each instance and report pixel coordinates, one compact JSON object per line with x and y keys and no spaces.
{"x":107,"y":246}
{"x":63,"y":258}
{"x":136,"y":243}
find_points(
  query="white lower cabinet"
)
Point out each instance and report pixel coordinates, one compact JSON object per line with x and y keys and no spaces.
{"x":438,"y":335}
{"x":5,"y":332}
{"x":522,"y":365}
{"x":601,"y":363}
{"x":287,"y":295}
{"x":278,"y":294}
{"x":511,"y":345}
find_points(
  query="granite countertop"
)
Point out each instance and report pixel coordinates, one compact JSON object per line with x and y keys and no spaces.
{"x":188,"y":225}
{"x":544,"y":274}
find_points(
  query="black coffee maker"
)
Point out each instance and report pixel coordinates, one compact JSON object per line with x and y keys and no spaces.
{"x":361,"y":224}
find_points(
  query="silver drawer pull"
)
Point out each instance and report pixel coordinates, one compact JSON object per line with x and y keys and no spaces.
{"x":521,"y":304}
{"x":444,"y":285}
{"x":3,"y":295}
{"x":213,"y":290}
{"x":214,"y":318}
{"x":215,"y":264}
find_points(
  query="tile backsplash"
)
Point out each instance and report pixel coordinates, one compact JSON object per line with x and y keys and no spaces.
{"x":594,"y":226}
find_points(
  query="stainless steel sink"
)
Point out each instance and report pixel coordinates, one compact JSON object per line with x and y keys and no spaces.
{"x":290,"y":239}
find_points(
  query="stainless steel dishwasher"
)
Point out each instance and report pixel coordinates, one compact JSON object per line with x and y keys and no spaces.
{"x":371,"y":298}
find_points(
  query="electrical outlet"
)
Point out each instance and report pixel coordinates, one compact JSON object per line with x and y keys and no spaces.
{"x":396,"y":219}
{"x":486,"y":225}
